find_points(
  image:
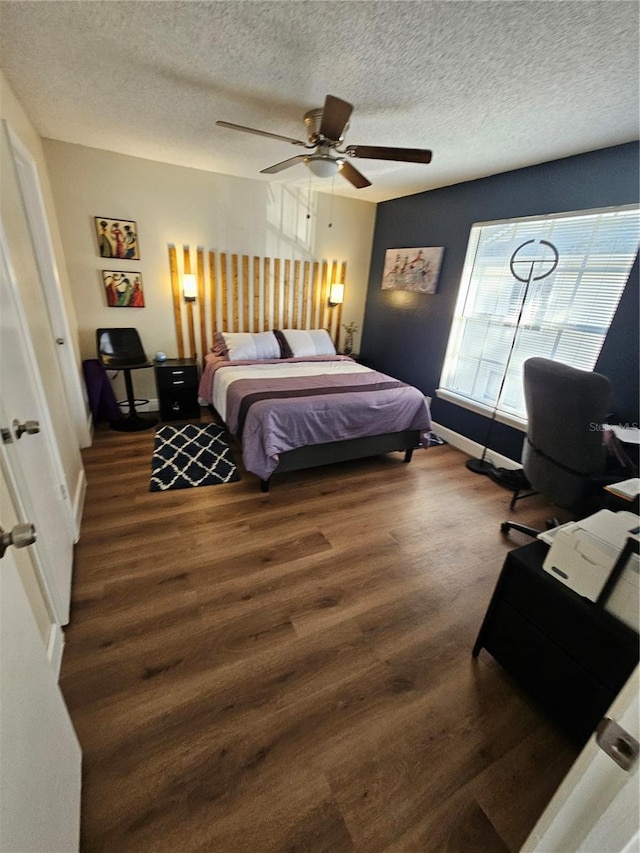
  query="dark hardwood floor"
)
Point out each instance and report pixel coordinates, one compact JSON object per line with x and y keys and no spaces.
{"x":292,"y":671}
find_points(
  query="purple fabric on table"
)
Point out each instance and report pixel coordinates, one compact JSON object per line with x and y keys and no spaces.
{"x":273,"y":426}
{"x":102,"y":400}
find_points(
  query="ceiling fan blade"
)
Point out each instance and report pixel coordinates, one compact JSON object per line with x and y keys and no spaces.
{"x":284,"y":165}
{"x":353,"y":175}
{"x":378,"y":152}
{"x":260,"y":132}
{"x":335,"y":115}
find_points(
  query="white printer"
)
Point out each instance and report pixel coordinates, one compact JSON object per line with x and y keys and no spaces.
{"x":583,"y":554}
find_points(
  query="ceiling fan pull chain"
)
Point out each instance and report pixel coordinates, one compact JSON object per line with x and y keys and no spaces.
{"x":333,"y":183}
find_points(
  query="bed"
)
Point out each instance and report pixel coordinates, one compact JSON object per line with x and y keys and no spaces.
{"x":298,"y":408}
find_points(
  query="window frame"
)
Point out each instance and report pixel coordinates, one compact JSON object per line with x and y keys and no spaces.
{"x":475,"y":235}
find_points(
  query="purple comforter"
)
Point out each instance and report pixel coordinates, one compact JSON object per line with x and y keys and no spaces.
{"x":272,"y":414}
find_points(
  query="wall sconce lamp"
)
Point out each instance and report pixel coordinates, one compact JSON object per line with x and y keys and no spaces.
{"x":189,"y":287}
{"x":336,"y":294}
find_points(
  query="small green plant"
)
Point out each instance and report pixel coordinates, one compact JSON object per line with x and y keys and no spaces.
{"x":350,"y":329}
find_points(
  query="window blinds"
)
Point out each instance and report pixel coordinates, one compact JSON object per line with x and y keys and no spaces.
{"x":565,"y":315}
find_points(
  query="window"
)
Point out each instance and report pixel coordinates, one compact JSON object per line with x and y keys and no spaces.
{"x":544,"y":286}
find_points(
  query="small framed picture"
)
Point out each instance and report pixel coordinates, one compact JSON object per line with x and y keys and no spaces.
{"x":117,"y":238}
{"x":123,"y":289}
{"x":412,"y":269}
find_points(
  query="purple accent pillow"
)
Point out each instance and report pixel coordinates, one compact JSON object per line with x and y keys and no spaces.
{"x":219,"y":347}
{"x":285,"y":349}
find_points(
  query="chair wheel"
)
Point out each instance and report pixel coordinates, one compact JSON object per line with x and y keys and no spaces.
{"x":505,"y":527}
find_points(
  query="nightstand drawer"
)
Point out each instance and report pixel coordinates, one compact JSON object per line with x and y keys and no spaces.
{"x":183,"y":376}
{"x":178,"y":405}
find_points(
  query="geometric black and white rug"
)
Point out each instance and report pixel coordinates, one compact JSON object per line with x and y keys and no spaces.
{"x":188,"y":455}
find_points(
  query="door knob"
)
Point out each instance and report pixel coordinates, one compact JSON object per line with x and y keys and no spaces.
{"x":617,"y":743}
{"x":19,"y":536}
{"x":30,"y":427}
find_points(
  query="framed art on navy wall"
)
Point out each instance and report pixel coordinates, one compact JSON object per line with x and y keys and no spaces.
{"x":117,"y":238}
{"x":412,"y":269}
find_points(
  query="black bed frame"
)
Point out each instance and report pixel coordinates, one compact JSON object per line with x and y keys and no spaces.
{"x":314,"y":455}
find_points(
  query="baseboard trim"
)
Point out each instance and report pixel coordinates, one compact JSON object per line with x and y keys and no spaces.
{"x":86,"y":439}
{"x":472,"y":448}
{"x":78,"y":502}
{"x":55,"y":649}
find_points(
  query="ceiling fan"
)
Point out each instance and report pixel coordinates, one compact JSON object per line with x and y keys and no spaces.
{"x":326,"y":128}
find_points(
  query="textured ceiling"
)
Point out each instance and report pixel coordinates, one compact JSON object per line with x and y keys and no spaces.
{"x":488,"y":86}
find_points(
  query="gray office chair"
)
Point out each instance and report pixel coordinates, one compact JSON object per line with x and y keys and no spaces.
{"x":563,"y":450}
{"x":121,"y":349}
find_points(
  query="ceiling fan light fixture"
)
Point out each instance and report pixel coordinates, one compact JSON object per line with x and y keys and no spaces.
{"x":322,"y":166}
{"x":326,"y":129}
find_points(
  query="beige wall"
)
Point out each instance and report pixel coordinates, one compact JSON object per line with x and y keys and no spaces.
{"x":173,"y":204}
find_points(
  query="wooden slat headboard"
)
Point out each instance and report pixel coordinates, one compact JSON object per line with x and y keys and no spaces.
{"x":245,"y":295}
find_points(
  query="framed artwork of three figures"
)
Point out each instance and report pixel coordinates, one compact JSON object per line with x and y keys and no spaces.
{"x":123,"y":289}
{"x":118,"y":239}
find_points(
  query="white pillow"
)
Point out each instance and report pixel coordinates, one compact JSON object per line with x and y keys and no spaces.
{"x":251,"y":345}
{"x":311,"y":342}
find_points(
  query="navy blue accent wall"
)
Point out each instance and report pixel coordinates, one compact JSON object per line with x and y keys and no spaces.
{"x":405,"y":334}
{"x":620,"y":355}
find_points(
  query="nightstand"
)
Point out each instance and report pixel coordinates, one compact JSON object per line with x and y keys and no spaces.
{"x":177,"y":383}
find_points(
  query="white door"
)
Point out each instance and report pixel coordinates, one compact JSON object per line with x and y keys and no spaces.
{"x":36,"y":474}
{"x":31,"y":192}
{"x":596,"y":808}
{"x":40,"y":755}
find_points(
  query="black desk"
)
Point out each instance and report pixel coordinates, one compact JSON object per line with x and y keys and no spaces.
{"x":569,"y":654}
